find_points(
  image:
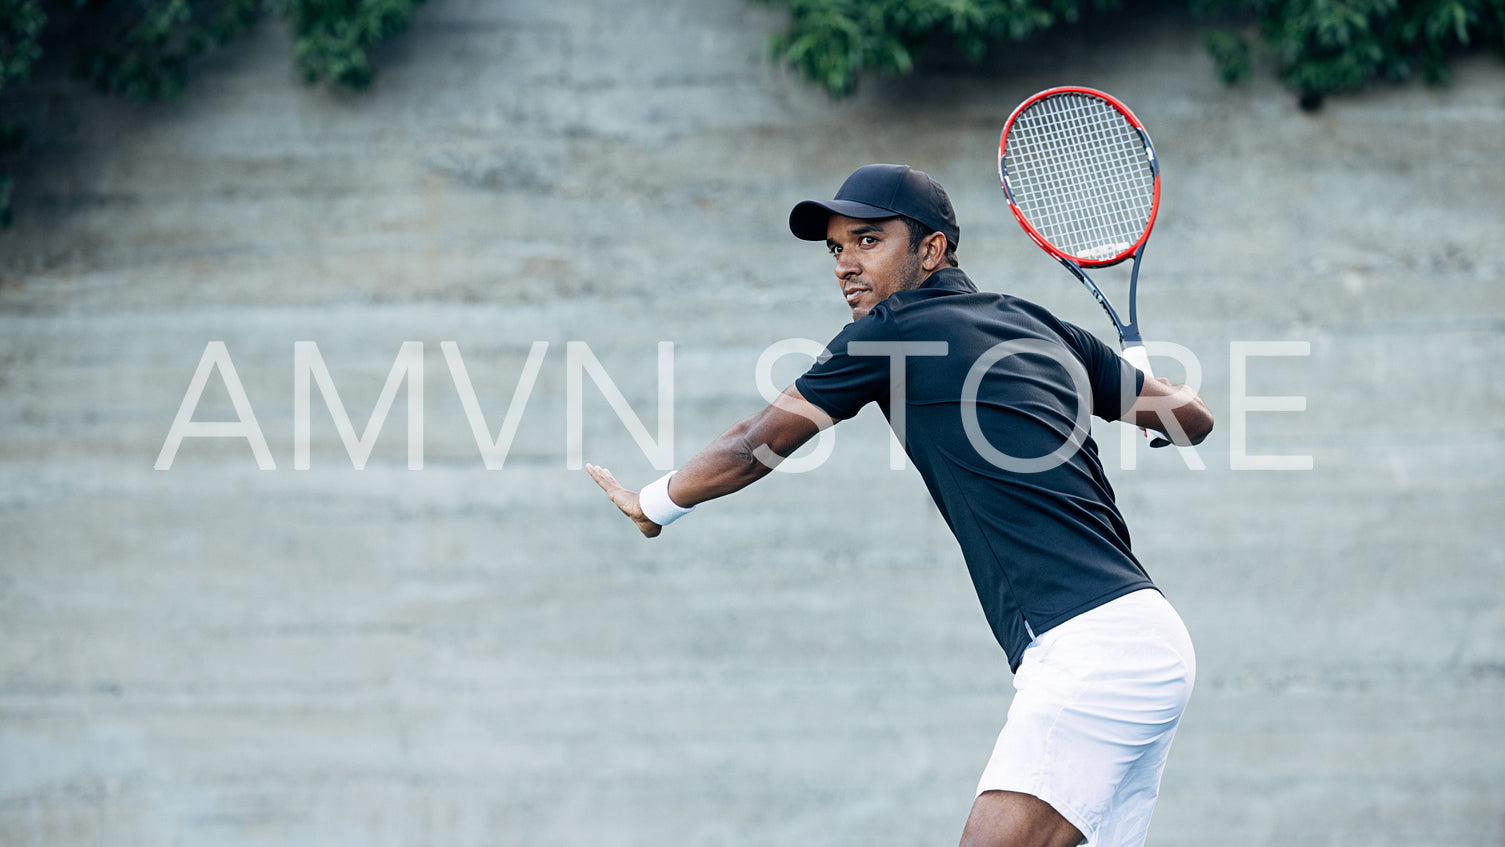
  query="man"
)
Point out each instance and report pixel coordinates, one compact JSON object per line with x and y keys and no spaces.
{"x":991,"y":397}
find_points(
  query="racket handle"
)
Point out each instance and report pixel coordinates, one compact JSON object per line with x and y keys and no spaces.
{"x":1139,"y":358}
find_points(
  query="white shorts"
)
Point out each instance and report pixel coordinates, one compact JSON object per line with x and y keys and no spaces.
{"x":1096,"y":704}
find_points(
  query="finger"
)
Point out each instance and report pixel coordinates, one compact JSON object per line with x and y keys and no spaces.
{"x":618,"y":493}
{"x":624,"y":499}
{"x":603,"y":478}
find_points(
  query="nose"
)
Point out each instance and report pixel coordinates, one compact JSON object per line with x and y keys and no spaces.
{"x":846,"y":265}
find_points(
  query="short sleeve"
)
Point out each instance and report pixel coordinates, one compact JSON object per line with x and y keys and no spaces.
{"x":839,"y":383}
{"x":1109,"y":373}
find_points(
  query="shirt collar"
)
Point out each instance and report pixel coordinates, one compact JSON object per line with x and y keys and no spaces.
{"x":950,"y":279}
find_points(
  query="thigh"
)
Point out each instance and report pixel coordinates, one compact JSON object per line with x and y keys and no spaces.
{"x":1095,"y":707}
{"x":1128,"y":817}
{"x":1011,"y":819}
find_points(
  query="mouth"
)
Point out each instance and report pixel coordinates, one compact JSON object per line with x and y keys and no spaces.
{"x":853,"y":294}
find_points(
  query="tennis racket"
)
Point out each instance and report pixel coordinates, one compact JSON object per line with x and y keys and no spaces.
{"x":1081,"y":177}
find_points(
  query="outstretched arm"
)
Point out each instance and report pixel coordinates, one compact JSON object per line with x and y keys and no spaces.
{"x":1175,"y":411}
{"x":742,"y":455}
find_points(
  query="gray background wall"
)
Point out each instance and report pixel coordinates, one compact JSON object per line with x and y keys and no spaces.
{"x":215,"y":654}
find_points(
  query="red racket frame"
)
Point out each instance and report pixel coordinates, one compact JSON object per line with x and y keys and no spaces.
{"x":1029,"y":228}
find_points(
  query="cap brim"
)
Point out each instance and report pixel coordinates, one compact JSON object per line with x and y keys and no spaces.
{"x":808,"y":220}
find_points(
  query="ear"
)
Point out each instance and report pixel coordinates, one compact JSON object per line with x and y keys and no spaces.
{"x":933,"y":251}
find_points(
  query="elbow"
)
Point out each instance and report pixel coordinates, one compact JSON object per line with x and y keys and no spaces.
{"x":1201,"y":427}
{"x":755,"y":448}
{"x":751,"y":459}
{"x":1196,"y":421}
{"x":1184,"y":421}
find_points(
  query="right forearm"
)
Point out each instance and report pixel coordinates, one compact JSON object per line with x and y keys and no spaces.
{"x":748,"y":451}
{"x":727,"y":465}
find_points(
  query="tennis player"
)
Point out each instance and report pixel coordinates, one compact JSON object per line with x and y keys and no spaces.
{"x":991,"y":397}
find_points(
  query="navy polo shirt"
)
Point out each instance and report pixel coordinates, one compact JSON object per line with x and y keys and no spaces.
{"x":992,"y":397}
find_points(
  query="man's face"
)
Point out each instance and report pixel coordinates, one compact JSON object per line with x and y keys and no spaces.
{"x":873,"y":260}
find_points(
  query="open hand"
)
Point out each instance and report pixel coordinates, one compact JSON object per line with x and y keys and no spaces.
{"x":625,"y":498}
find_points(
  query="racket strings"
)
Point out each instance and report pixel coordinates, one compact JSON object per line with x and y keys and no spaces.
{"x":1081,"y":174}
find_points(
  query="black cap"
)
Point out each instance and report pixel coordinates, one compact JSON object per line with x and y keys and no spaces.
{"x":880,"y":191}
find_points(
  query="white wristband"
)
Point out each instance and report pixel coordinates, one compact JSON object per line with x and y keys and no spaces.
{"x":656,"y":504}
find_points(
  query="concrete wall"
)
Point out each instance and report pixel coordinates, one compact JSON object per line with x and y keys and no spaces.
{"x":216,"y":654}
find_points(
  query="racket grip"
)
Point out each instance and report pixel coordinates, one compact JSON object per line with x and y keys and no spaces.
{"x":1139,"y":358}
{"x":1136,"y":355}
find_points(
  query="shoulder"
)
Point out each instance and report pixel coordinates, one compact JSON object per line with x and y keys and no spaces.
{"x":1028,"y":311}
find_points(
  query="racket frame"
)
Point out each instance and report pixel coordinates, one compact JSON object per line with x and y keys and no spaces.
{"x":1128,"y":332}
